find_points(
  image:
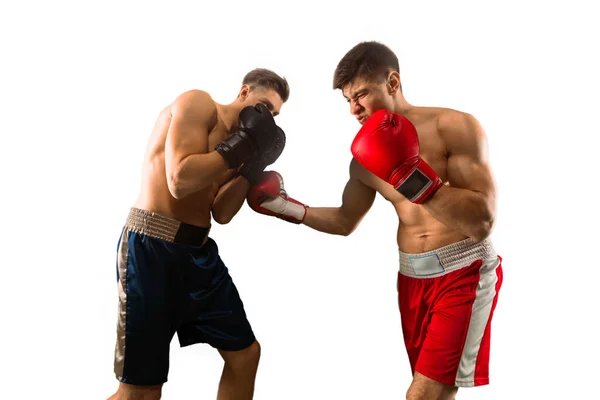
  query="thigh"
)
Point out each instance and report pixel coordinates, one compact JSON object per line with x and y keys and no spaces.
{"x":414,"y":314}
{"x":456,"y":346}
{"x":216,"y":312}
{"x":144,"y":325}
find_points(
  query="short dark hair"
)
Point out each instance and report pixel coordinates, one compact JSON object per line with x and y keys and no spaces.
{"x":368,"y":60}
{"x":268,"y":79}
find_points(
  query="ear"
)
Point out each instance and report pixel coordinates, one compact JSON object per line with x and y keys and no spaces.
{"x":244,"y":92}
{"x":393,"y":83}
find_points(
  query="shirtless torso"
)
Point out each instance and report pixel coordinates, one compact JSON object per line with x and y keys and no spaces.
{"x":194,"y":209}
{"x":170,"y":274}
{"x":418,"y":231}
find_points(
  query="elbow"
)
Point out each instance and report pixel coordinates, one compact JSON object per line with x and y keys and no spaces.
{"x":222,"y":218}
{"x":483,"y":229}
{"x":345,"y":226}
{"x":222,"y":214}
{"x":346,"y":229}
{"x":175,"y":190}
{"x":175,"y":186}
{"x":481,"y":233}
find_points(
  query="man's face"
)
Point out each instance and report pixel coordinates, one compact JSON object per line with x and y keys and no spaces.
{"x":268,"y":97}
{"x":366,"y":96}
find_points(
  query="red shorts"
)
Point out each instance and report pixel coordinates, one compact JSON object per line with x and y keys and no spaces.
{"x":447,"y":299}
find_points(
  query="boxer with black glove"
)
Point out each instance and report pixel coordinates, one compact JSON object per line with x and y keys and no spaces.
{"x":189,"y":180}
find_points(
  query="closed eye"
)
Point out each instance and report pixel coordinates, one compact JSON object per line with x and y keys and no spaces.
{"x":269,"y":106}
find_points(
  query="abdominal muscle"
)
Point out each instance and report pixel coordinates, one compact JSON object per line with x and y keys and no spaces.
{"x":419,"y":232}
{"x":155,"y":196}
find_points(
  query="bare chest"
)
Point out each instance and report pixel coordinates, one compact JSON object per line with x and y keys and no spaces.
{"x":217,"y":135}
{"x":432,"y":150}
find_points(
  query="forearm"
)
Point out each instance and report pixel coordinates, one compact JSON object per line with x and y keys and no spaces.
{"x":230,"y":199}
{"x":195,"y":173}
{"x":328,"y":220}
{"x":469,"y":212}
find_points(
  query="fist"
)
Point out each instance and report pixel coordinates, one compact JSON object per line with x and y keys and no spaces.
{"x":258,"y":123}
{"x":268,"y":197}
{"x":256,"y":134}
{"x":253,"y":168}
{"x":388,"y":146}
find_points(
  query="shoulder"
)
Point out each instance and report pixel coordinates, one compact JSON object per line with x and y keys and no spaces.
{"x":359,"y":173}
{"x":454,"y":122}
{"x":197,"y":105}
{"x":459,"y":128}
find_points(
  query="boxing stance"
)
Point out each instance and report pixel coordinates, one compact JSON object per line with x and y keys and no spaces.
{"x":199,"y":163}
{"x":432,"y":165}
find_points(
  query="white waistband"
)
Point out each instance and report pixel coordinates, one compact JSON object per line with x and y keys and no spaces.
{"x":446,"y":259}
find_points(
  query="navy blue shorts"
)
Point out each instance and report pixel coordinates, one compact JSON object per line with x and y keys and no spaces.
{"x":169,"y":281}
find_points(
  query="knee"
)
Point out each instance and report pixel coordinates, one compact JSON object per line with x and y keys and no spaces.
{"x":252,"y":353}
{"x":131,"y":392}
{"x":423,"y":392}
{"x":246,"y":359}
{"x":413,"y":394}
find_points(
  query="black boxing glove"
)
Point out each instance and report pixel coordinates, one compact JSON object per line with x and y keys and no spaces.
{"x":256,"y":134}
{"x":254,"y":167}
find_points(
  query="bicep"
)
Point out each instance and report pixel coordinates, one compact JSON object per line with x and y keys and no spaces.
{"x":192,"y":115}
{"x":357,"y":198}
{"x":468,"y":162}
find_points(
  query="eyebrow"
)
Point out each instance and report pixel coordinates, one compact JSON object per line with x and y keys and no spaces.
{"x":269,"y":106}
{"x":357,"y":92}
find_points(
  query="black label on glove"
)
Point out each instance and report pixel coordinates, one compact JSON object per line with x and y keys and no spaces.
{"x":414,"y":185}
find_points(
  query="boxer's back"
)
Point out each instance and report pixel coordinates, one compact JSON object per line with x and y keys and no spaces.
{"x":418,"y":231}
{"x":155,"y":196}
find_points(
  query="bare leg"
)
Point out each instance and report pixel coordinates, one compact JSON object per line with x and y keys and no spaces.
{"x":424,"y":388}
{"x":133,"y":392}
{"x":239,"y":373}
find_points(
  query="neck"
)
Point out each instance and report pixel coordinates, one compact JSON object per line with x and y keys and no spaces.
{"x":401,"y":106}
{"x":229,"y":115}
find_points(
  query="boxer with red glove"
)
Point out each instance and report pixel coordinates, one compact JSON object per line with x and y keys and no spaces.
{"x":268,"y":197}
{"x":449,"y":273}
{"x":388,"y":146}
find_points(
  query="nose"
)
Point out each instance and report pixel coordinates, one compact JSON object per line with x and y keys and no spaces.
{"x":355,"y":107}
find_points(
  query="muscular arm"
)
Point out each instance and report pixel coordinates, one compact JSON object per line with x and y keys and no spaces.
{"x":190,"y":167}
{"x":229,"y":199}
{"x":469,"y":203}
{"x":357,"y":200}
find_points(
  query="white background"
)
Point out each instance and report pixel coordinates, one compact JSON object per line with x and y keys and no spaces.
{"x":82,"y":83}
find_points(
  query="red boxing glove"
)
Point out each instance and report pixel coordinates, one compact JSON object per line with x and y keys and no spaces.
{"x":388,"y":146}
{"x":268,"y":196}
